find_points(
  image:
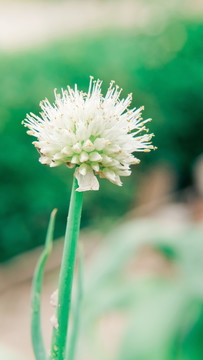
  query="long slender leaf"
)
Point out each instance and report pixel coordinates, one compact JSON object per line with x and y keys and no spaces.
{"x":36,"y":333}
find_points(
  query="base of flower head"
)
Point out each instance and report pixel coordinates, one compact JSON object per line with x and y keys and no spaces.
{"x":87,"y":179}
{"x":86,"y":182}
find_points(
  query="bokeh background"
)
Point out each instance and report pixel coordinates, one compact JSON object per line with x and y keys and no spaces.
{"x":146,"y":277}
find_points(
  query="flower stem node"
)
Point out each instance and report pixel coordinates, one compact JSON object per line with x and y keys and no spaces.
{"x":93,"y":132}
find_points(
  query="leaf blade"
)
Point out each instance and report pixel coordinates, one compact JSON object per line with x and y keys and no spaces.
{"x":36,"y":333}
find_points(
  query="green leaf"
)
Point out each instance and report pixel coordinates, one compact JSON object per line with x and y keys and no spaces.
{"x":36,"y":333}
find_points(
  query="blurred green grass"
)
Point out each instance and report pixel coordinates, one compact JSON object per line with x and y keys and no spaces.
{"x":153,"y":298}
{"x":164,"y":72}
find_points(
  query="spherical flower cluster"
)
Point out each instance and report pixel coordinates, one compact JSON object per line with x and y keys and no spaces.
{"x":96,"y":134}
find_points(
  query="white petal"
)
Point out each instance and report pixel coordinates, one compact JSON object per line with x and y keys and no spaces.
{"x":67,"y":151}
{"x":115,"y":163}
{"x":110,"y":175}
{"x":118,"y":181}
{"x":95,"y":156}
{"x":69,"y":137}
{"x":77,"y":148}
{"x":44,"y":160}
{"x":75,"y":159}
{"x":82,"y":131}
{"x":100,"y":144}
{"x":83,"y":156}
{"x":106,"y":160}
{"x":83,"y":169}
{"x":86,"y":182}
{"x":58,"y":156}
{"x":55,"y":163}
{"x":88,"y":146}
{"x":114,"y":148}
{"x":124,"y":172}
{"x":95,"y":166}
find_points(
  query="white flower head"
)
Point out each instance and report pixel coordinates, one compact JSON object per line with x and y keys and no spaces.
{"x":96,"y":134}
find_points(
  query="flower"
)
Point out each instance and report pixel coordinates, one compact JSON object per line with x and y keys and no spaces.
{"x":96,"y":134}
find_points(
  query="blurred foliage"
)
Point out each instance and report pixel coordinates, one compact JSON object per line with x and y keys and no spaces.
{"x":141,"y":303}
{"x":161,"y":66}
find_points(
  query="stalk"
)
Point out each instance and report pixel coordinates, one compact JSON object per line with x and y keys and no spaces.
{"x":71,"y":349}
{"x":66,"y":274}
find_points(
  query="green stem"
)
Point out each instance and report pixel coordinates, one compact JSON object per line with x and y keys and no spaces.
{"x":66,"y":274}
{"x":71,"y":350}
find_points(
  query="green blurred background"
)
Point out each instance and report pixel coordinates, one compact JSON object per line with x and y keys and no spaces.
{"x":143,"y":285}
{"x":160,"y":62}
